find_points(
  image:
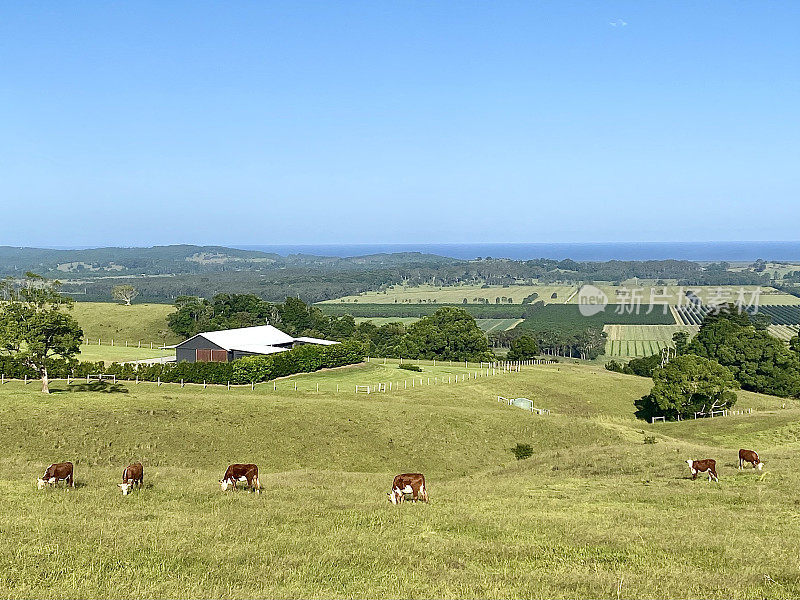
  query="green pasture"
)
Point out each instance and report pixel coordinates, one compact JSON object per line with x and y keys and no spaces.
{"x":596,"y":512}
{"x":109,"y":354}
{"x":143,"y":323}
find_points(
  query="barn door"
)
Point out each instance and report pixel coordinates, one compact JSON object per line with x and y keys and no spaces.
{"x":203,"y":355}
{"x":219,"y":356}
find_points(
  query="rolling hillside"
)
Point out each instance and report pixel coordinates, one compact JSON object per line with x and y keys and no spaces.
{"x":587,"y":515}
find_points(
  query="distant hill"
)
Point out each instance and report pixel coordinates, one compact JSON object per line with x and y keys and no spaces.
{"x":180,"y":259}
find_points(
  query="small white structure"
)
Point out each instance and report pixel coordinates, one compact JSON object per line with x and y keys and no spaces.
{"x":229,"y":344}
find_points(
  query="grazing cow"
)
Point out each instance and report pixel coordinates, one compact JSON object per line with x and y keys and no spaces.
{"x":236,"y":473}
{"x":751,"y":457}
{"x":702,"y":466}
{"x":55,"y":473}
{"x":408,"y":483}
{"x":132,"y":475}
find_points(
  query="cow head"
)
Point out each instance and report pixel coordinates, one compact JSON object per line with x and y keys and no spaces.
{"x":40,"y":483}
{"x":760,"y":465}
{"x":689,"y":462}
{"x":396,"y":496}
{"x":125,"y":488}
{"x":223,"y":483}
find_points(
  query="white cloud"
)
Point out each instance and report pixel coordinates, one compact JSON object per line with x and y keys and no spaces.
{"x":618,"y":23}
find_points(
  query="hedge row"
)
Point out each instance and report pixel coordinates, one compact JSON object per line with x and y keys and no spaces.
{"x":303,"y":359}
{"x":478,"y":311}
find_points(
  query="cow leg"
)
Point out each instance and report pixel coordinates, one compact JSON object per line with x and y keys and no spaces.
{"x":740,"y":464}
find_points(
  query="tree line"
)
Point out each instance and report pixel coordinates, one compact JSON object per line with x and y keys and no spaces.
{"x":728,"y":353}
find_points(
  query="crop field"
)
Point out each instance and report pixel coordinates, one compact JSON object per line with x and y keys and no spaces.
{"x":456,"y":294}
{"x":644,"y":292}
{"x":778,"y":314}
{"x":784,"y":332}
{"x":596,"y":512}
{"x":138,"y":322}
{"x":568,"y":317}
{"x":642,"y":340}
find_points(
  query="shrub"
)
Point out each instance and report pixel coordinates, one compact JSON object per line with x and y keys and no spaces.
{"x":522,"y":451}
{"x":304,"y":359}
{"x":408,"y":367}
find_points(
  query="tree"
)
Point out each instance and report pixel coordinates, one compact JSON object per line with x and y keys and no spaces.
{"x":523,"y":348}
{"x":760,"y":362}
{"x":686,"y":385}
{"x":681,"y":341}
{"x":125,"y":293}
{"x":448,"y":334}
{"x":34,"y":327}
{"x":794,"y":344}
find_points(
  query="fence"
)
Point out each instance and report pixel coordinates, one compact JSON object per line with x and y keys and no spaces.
{"x":499,"y":368}
{"x":711,"y":414}
{"x":505,"y":365}
{"x":126,"y":344}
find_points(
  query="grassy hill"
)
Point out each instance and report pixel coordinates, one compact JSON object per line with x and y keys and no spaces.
{"x":138,"y":322}
{"x":596,"y":512}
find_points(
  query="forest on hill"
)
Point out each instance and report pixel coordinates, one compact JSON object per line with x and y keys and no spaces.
{"x":162,"y":273}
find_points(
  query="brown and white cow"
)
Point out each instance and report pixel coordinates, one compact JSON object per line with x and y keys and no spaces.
{"x":750,"y":456}
{"x":55,"y":473}
{"x":408,"y":483}
{"x":238,"y":472}
{"x":708,"y":465}
{"x":132,"y":475}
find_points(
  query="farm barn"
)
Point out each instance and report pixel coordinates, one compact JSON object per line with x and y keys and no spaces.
{"x":230,"y":344}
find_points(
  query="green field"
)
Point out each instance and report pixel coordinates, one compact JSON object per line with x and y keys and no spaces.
{"x":456,"y":294}
{"x":136,"y":323}
{"x":642,"y":340}
{"x":109,"y":354}
{"x":648,"y":292}
{"x":594,"y":513}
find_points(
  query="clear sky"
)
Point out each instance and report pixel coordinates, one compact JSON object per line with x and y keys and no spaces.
{"x":134,"y":123}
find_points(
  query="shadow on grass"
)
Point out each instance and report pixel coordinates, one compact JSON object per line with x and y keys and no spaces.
{"x":105,"y":387}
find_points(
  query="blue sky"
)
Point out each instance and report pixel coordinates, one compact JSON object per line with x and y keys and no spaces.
{"x":134,"y":123}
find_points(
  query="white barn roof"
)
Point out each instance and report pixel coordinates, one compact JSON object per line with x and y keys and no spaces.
{"x":247,"y":338}
{"x":310,"y":340}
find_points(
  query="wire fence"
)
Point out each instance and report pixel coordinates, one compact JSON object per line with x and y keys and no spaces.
{"x":117,"y":343}
{"x":473,"y":373}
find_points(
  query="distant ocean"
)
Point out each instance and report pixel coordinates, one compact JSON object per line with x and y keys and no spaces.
{"x":698,"y":251}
